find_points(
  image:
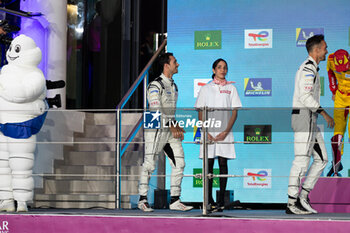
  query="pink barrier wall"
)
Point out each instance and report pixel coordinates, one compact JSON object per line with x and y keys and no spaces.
{"x":94,"y":224}
{"x":331,"y":195}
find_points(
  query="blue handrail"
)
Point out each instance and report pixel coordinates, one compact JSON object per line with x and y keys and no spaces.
{"x":141,"y":77}
{"x":120,"y":150}
{"x":132,"y":89}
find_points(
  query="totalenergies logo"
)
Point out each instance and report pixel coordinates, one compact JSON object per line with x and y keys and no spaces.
{"x":259,"y":175}
{"x":197,"y":84}
{"x":261,"y":35}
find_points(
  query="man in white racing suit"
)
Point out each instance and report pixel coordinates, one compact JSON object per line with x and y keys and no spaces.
{"x":307,"y":136}
{"x":162,"y":97}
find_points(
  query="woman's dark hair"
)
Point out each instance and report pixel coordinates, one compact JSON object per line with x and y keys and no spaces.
{"x":215,"y":64}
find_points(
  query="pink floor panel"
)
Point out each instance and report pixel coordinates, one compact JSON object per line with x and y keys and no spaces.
{"x":331,"y":195}
{"x":13,"y":223}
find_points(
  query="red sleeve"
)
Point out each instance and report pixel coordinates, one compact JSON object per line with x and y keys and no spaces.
{"x":333,"y":86}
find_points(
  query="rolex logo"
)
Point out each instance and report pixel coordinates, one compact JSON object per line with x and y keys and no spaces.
{"x":207,"y":39}
{"x":257,"y":134}
{"x":257,"y":131}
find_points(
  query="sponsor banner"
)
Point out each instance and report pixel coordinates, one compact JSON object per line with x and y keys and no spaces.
{"x":207,"y":39}
{"x":268,"y":118}
{"x":257,"y":86}
{"x":302,"y":34}
{"x":197,"y":84}
{"x":257,"y":134}
{"x":257,"y":178}
{"x":198,"y":182}
{"x":257,"y":38}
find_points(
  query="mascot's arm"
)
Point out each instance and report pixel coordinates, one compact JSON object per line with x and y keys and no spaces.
{"x":22,"y":89}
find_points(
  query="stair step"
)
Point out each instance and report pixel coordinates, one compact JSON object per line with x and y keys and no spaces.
{"x":130,"y":118}
{"x":94,"y":144}
{"x":87,"y":172}
{"x":81,"y":197}
{"x":76,"y":197}
{"x":74,"y":204}
{"x":94,"y":172}
{"x":97,"y":131}
{"x":90,"y":158}
{"x":132,"y":158}
{"x":126,"y":130}
{"x":52,"y":186}
{"x":100,"y":118}
{"x":133,"y":173}
{"x":64,"y":186}
{"x":129,"y":187}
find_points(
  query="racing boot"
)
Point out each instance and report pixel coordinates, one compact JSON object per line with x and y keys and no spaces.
{"x":336,"y":151}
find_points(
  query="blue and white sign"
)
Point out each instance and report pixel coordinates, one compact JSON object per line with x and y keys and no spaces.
{"x":305,"y":33}
{"x":257,"y":86}
{"x":151,"y":120}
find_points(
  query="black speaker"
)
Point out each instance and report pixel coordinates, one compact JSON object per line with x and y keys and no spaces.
{"x":161,"y":199}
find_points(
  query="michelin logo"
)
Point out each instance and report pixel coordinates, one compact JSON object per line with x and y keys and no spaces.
{"x":151,"y":120}
{"x":257,"y":86}
{"x":302,"y":34}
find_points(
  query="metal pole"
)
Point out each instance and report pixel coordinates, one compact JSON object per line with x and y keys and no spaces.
{"x":117,"y":159}
{"x":205,"y":164}
{"x":145,"y":83}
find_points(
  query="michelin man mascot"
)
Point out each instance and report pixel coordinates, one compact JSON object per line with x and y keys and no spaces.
{"x":22,"y":113}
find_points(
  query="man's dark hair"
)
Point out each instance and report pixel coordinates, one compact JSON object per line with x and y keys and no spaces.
{"x":164,"y":59}
{"x":313,"y":41}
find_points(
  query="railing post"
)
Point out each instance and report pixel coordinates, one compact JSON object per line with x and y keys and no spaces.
{"x":118,"y":154}
{"x":205,"y":163}
{"x":117,"y":160}
{"x":145,"y":83}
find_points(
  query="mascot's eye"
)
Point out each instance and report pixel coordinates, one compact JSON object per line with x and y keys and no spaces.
{"x":17,"y":48}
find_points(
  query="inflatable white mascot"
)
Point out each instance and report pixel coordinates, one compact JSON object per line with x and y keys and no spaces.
{"x":22,"y":113}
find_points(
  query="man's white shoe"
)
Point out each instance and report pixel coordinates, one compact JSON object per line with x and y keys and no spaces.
{"x":294,"y":209}
{"x":178,"y":205}
{"x":22,"y":206}
{"x":7,"y":205}
{"x":305,"y":202}
{"x":144,"y":206}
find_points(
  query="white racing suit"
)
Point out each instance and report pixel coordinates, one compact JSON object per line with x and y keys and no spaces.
{"x":307,"y":136}
{"x":162,"y":95}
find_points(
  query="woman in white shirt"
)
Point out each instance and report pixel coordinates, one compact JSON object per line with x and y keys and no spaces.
{"x":219,"y":93}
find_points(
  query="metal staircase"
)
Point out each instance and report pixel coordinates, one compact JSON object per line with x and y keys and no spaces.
{"x":85,"y":177}
{"x":101,"y":168}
